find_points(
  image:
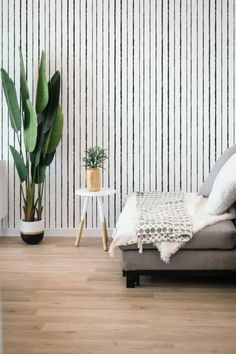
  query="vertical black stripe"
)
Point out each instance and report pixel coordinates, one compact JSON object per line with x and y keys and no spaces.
{"x":139,"y":81}
{"x":80,"y":98}
{"x":32,"y":41}
{"x":86,"y":74}
{"x":96,"y":84}
{"x":96,"y":138}
{"x":114,"y":69}
{"x":227,"y":73}
{"x":215,"y":78}
{"x":149,"y":108}
{"x":62,"y":101}
{"x":221,"y":52}
{"x":197,"y":113}
{"x":168,"y":95}
{"x":26,"y":31}
{"x":156,"y":78}
{"x":22,"y":50}
{"x":144,"y":115}
{"x":56,"y":165}
{"x":180,"y":92}
{"x":133,"y":126}
{"x":2,"y":222}
{"x":234,"y":66}
{"x":45,"y":48}
{"x":49,"y":67}
{"x":109,"y":111}
{"x":191,"y":95}
{"x":1,"y":89}
{"x":162,"y":139}
{"x":68,"y":104}
{"x":93,"y":78}
{"x":186,"y":100}
{"x":203,"y":92}
{"x":74,"y":115}
{"x":39,"y":38}
{"x":209,"y":81}
{"x":8,"y":125}
{"x":103,"y":102}
{"x":174,"y":118}
{"x":127,"y":99}
{"x":120,"y":117}
{"x":96,"y":106}
{"x":14,"y":75}
{"x":86,"y":80}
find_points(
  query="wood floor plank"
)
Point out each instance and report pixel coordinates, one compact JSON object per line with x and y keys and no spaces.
{"x":59,"y":299}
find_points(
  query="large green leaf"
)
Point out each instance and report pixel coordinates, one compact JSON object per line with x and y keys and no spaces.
{"x":20,"y":165}
{"x":40,"y":174}
{"x":30,"y":126}
{"x":23,"y":82}
{"x":54,"y":93}
{"x":36,"y":154}
{"x":56,"y":131}
{"x":11,"y":98}
{"x":42,"y":87}
{"x":46,"y":143}
{"x":49,"y":158}
{"x":41,"y":116}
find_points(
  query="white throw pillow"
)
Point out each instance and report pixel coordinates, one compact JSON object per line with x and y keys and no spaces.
{"x":223,"y":194}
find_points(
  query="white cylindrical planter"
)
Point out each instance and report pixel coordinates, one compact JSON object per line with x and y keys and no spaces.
{"x":32,"y":232}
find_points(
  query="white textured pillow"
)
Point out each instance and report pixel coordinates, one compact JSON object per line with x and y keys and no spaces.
{"x":223,"y":194}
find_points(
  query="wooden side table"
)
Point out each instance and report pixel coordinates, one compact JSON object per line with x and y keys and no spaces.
{"x":99,"y":194}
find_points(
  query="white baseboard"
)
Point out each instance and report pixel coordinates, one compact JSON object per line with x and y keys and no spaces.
{"x":57,"y":232}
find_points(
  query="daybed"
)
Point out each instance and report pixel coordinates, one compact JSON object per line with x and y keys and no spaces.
{"x":212,"y":215}
{"x":213,"y":248}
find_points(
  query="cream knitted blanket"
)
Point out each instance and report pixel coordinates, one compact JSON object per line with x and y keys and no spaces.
{"x":161,"y":216}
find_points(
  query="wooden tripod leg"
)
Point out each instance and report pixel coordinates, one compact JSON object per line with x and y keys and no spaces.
{"x":103,"y":224}
{"x":81,"y":225}
{"x":104,"y":235}
{"x":80,"y":230}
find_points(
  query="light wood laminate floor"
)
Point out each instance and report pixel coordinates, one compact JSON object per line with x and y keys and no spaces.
{"x":58,"y":299}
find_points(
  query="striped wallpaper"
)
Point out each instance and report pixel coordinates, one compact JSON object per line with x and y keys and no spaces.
{"x":153,"y":81}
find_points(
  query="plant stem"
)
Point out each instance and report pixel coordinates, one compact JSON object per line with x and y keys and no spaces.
{"x":22,"y":192}
{"x":40,"y":197}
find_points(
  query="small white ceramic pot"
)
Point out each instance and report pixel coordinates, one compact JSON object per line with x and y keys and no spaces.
{"x":32,"y":232}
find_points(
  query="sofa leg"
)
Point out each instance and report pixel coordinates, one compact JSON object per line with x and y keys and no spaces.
{"x":234,"y":276}
{"x":132,"y":279}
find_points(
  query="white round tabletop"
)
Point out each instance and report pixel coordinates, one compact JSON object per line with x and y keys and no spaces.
{"x":101,"y":193}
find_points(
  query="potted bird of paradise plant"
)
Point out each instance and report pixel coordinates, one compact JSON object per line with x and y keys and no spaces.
{"x":38,"y":129}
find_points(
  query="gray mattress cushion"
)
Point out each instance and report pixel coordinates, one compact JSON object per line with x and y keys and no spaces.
{"x":219,"y":236}
{"x":182,"y":260}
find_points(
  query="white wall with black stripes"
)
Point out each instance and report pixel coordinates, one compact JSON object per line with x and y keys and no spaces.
{"x":152,"y":81}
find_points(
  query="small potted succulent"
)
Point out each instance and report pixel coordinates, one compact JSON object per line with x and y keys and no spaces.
{"x":38,"y":129}
{"x":94,"y":160}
